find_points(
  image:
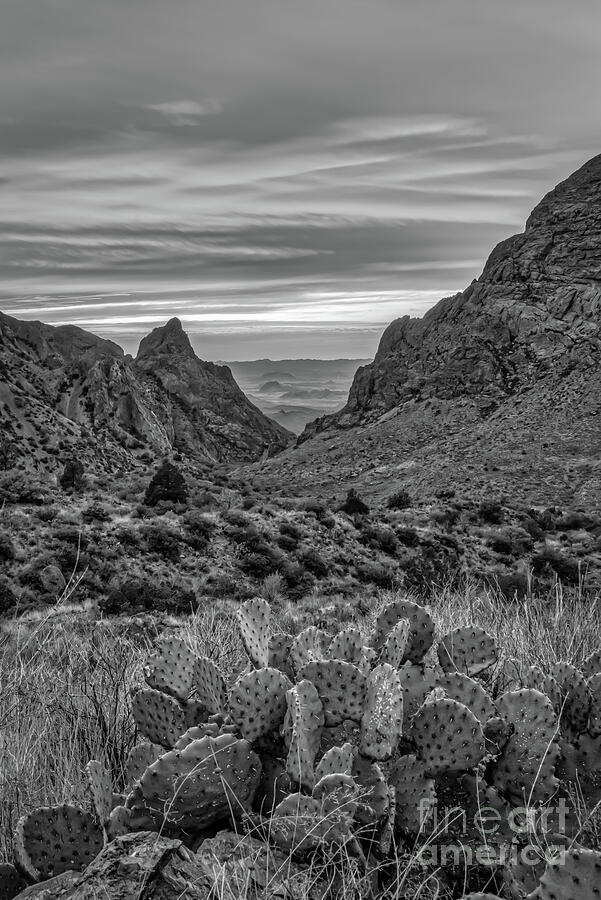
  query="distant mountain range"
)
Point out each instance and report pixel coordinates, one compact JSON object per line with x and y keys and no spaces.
{"x":294,"y":392}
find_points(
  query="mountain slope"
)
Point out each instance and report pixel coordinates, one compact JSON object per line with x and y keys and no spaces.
{"x":497,"y":388}
{"x":64,"y":391}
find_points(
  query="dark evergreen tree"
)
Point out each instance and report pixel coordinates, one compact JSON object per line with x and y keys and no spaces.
{"x":168,"y":484}
{"x":354,"y":505}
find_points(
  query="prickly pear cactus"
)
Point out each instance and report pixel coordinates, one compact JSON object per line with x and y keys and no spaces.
{"x":298,"y":825}
{"x":415,"y":795}
{"x":592,"y":664}
{"x":279,"y":653}
{"x":210,"y":686}
{"x":254,"y":619}
{"x":336,"y":760}
{"x":469,"y":650}
{"x":417,"y":682}
{"x":302,"y":731}
{"x":208,"y":780}
{"x":574,"y":699}
{"x":594,"y":689}
{"x":382,"y":719}
{"x":11,"y":883}
{"x":140,"y":757}
{"x":341,"y":687}
{"x":448,"y":737}
{"x":348,"y":646}
{"x":258,"y":702}
{"x":421,"y":634}
{"x":158,"y":716}
{"x":574,"y":875}
{"x":525,"y":769}
{"x":118,"y":823}
{"x":395,"y":648}
{"x":464,"y":689}
{"x":170,"y":669}
{"x":309,"y":645}
{"x":101,"y":790}
{"x":54,"y":839}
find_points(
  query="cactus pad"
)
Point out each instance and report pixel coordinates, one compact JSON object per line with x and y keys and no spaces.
{"x":140,"y":757}
{"x":119,"y":822}
{"x":309,"y":645}
{"x":302,"y":730}
{"x":417,"y":682}
{"x":448,"y":736}
{"x":574,"y":699}
{"x":337,"y":760}
{"x":298,"y":824}
{"x":415,"y":794}
{"x":341,"y":687}
{"x":382,"y":720}
{"x":347,"y":645}
{"x":470,"y":650}
{"x":421,"y":634}
{"x":258,"y":702}
{"x":254,"y":617}
{"x":171,"y":667}
{"x":279,"y":653}
{"x":592,"y":664}
{"x":469,"y":692}
{"x":206,"y":781}
{"x":158,"y":716}
{"x":11,"y":883}
{"x":395,"y":648}
{"x":210,"y":686}
{"x":525,"y":768}
{"x":594,"y":688}
{"x":101,"y":789}
{"x":574,"y":875}
{"x":54,"y":839}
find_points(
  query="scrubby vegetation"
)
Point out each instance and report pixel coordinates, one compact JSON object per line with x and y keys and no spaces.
{"x":342,"y":748}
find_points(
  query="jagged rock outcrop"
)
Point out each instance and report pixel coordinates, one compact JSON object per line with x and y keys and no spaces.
{"x":533,"y":314}
{"x":496,"y":390}
{"x":65,"y":392}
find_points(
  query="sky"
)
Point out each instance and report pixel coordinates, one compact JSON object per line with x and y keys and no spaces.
{"x":285,"y":176}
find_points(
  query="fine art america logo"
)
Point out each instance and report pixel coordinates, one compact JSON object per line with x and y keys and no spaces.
{"x":522,"y":836}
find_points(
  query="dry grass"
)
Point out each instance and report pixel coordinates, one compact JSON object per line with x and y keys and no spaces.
{"x":66,"y":679}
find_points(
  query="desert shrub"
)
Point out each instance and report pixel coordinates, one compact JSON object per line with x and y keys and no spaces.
{"x":353,"y":504}
{"x":513,"y":585}
{"x":167,"y":485}
{"x":292,"y":531}
{"x":139,"y":595}
{"x":236,"y":518}
{"x":532,"y":527}
{"x":401,"y":499}
{"x":72,"y":477}
{"x":491,"y":512}
{"x":8,"y":597}
{"x":273,"y":587}
{"x":96,"y":512}
{"x":408,"y":536}
{"x":379,"y":537}
{"x":128,"y":536}
{"x":298,"y":580}
{"x":314,"y":562}
{"x":163,"y":540}
{"x":576,"y":521}
{"x":382,"y":574}
{"x":7,"y":548}
{"x":550,"y":561}
{"x":200,"y":529}
{"x":23,"y":487}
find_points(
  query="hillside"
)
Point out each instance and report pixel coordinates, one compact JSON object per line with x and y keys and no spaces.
{"x":64,"y":391}
{"x":496,"y":390}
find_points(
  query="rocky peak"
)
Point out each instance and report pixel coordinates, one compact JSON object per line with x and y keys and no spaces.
{"x":167,"y":340}
{"x":534,"y":314}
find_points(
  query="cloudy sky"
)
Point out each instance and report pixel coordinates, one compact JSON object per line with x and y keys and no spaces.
{"x":286,"y":176}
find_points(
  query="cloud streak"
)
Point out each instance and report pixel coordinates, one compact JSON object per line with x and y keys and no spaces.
{"x":282,"y":171}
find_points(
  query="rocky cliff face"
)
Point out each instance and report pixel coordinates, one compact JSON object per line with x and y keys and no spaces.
{"x":65,"y":391}
{"x":534,"y":314}
{"x":496,"y":390}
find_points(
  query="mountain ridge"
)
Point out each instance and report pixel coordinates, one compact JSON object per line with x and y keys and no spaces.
{"x":66,"y":391}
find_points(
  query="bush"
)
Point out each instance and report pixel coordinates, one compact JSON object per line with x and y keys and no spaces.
{"x":200,"y":529}
{"x":7,"y":548}
{"x":72,"y":476}
{"x":162,"y":540}
{"x":313,"y":562}
{"x":380,"y":537}
{"x":167,"y":485}
{"x":8,"y":598}
{"x":491,"y":511}
{"x":137,"y":595}
{"x":401,"y":499}
{"x":354,"y":505}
